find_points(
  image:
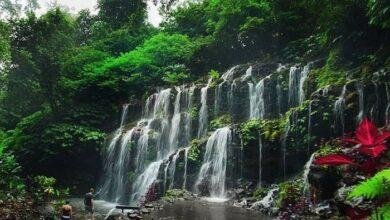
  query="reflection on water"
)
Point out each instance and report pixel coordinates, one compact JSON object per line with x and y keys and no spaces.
{"x":204,"y":209}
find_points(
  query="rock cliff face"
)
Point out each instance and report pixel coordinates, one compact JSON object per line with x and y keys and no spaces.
{"x":274,"y":115}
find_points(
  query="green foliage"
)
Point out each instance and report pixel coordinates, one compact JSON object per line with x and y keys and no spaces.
{"x":194,"y":112}
{"x":220,"y":122}
{"x":250,"y":130}
{"x":194,"y":154}
{"x":259,"y":193}
{"x":376,"y":186}
{"x":330,"y":74}
{"x":271,"y":130}
{"x":289,"y":193}
{"x":121,"y":12}
{"x":379,"y":13}
{"x":326,"y":149}
{"x":44,"y":190}
{"x":381,"y":213}
{"x":173,"y":194}
{"x":10,"y":182}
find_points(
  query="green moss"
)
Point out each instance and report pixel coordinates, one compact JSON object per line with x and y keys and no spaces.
{"x":194,"y":112}
{"x":289,"y":193}
{"x":331,"y":73}
{"x":221,"y":121}
{"x":215,"y":78}
{"x":271,"y":130}
{"x":328,"y":148}
{"x":259,"y":193}
{"x":173,"y":194}
{"x":194,"y":152}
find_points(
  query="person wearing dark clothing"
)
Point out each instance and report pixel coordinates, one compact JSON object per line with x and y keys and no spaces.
{"x":88,"y":202}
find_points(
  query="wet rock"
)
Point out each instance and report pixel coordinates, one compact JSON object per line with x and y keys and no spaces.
{"x":134,"y":216}
{"x":324,"y":182}
{"x":149,"y":206}
{"x":241,"y":204}
{"x":145,"y":211}
{"x":117,"y":216}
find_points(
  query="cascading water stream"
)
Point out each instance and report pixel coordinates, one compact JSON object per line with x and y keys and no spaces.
{"x":172,"y":169}
{"x":256,"y":99}
{"x":111,"y":167}
{"x":359,"y":90}
{"x":213,"y":169}
{"x":306,"y":171}
{"x":227,"y":77}
{"x":203,"y":113}
{"x":309,"y":127}
{"x":338,"y":110}
{"x":186,"y":150}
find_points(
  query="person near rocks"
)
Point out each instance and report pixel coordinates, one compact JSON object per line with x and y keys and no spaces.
{"x":88,"y":202}
{"x":66,"y":211}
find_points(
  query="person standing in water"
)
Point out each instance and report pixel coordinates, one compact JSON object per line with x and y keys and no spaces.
{"x":88,"y":202}
{"x":66,"y":211}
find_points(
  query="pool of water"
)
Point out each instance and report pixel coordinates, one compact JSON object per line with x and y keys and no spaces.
{"x":203,"y":209}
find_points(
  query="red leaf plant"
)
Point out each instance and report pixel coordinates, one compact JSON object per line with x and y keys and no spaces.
{"x":369,"y":141}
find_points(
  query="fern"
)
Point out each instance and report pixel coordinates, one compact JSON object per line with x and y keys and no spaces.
{"x":376,"y":186}
{"x":382,"y":213}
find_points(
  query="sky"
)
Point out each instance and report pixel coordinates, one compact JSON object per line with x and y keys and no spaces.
{"x":76,"y":5}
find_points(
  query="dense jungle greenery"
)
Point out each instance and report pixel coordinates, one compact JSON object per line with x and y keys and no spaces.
{"x":64,"y":77}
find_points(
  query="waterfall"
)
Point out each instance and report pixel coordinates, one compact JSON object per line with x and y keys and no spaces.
{"x":279,"y":95}
{"x":267,"y":200}
{"x":145,"y":180}
{"x":284,"y":142}
{"x":306,"y":171}
{"x":297,"y":77}
{"x":256,"y":99}
{"x":359,"y":89}
{"x":260,"y":159}
{"x":121,"y":167}
{"x":309,"y":127}
{"x":158,"y":115}
{"x":293,"y":86}
{"x":111,"y":166}
{"x":302,"y":78}
{"x":203,"y":113}
{"x":188,"y":118}
{"x":375,"y":106}
{"x":174,"y":133}
{"x":186,"y":150}
{"x":227,"y":77}
{"x":213,"y":169}
{"x":338,"y":110}
{"x":172,"y":169}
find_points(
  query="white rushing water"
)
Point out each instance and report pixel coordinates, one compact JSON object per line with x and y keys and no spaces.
{"x":114,"y":163}
{"x":172,"y":169}
{"x":306,"y":171}
{"x":359,"y":89}
{"x":297,"y":78}
{"x":267,"y":200}
{"x":227,"y":78}
{"x":213,"y":169}
{"x":338,"y":111}
{"x":203,"y":113}
{"x":256,"y":99}
{"x":186,"y":150}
